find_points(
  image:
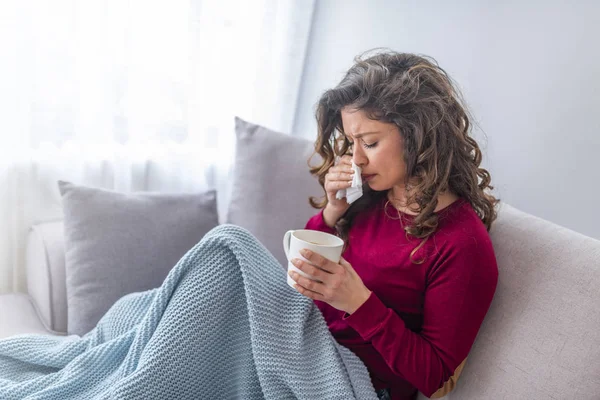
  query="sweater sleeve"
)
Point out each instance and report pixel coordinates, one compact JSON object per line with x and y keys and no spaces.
{"x":317,"y":223}
{"x":459,"y":292}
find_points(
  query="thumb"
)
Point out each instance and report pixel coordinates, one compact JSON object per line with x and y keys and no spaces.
{"x":346,"y":264}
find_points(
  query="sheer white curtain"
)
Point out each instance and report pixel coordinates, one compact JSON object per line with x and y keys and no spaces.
{"x":134,"y":95}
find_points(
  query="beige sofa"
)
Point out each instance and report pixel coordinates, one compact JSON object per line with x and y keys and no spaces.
{"x":540,"y":339}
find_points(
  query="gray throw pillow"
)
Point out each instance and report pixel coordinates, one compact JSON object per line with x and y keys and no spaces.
{"x":119,"y":243}
{"x":271,"y":184}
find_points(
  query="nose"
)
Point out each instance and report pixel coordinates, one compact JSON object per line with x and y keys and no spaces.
{"x":358,"y":157}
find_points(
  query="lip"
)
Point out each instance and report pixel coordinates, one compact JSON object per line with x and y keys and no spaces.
{"x":367,"y":177}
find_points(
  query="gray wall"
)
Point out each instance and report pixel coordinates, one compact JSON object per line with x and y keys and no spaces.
{"x":529,"y":70}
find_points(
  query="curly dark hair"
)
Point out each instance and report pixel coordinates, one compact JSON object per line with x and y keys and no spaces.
{"x":417,"y":95}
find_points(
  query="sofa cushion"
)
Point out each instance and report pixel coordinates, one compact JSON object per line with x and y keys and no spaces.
{"x":271,"y":184}
{"x":119,"y":243}
{"x":19,"y":316}
{"x":541,"y":336}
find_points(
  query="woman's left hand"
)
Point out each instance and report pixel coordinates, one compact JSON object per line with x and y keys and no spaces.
{"x":336,"y":284}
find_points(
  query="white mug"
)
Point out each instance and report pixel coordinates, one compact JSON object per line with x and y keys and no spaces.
{"x":325,"y":244}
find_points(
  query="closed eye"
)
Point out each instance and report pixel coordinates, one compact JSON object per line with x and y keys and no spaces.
{"x":365,"y":144}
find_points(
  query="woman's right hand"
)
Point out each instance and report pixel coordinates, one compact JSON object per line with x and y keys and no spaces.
{"x":338,"y":177}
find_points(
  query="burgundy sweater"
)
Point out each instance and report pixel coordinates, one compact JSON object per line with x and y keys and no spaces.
{"x":421,"y":319}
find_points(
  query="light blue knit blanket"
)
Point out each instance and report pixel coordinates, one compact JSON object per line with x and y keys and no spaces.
{"x":223,"y":325}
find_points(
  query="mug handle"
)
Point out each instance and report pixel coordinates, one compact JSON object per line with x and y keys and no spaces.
{"x":286,"y":243}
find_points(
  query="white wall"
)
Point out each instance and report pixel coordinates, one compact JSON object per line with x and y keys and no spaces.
{"x":529,"y":70}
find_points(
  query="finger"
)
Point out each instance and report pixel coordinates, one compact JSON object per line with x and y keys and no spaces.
{"x":337,"y":185}
{"x":347,"y":163}
{"x":308,"y":293}
{"x":307,"y":284}
{"x":347,"y":266}
{"x":343,"y":176}
{"x":340,"y":176}
{"x":318,"y":273}
{"x":337,"y":168}
{"x":347,"y":160}
{"x":345,"y":263}
{"x":319,"y":261}
{"x":344,"y":167}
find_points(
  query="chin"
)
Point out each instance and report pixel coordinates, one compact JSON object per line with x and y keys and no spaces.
{"x":377,"y":186}
{"x":373,"y":186}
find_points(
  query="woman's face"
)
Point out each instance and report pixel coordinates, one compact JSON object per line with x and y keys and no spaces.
{"x":377,"y":149}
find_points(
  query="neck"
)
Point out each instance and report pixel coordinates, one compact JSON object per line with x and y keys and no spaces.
{"x":398,"y":197}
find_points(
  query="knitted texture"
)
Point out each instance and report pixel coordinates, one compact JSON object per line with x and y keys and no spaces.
{"x":224,"y":324}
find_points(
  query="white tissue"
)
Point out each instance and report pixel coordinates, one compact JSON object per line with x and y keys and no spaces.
{"x":354,"y":192}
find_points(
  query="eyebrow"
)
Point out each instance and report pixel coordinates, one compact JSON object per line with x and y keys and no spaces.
{"x":359,"y":135}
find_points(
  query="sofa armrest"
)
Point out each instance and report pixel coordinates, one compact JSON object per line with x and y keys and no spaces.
{"x":19,"y":316}
{"x":46,"y":279}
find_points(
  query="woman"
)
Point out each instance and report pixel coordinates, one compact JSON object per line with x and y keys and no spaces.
{"x":418,"y":272}
{"x":416,"y":279}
